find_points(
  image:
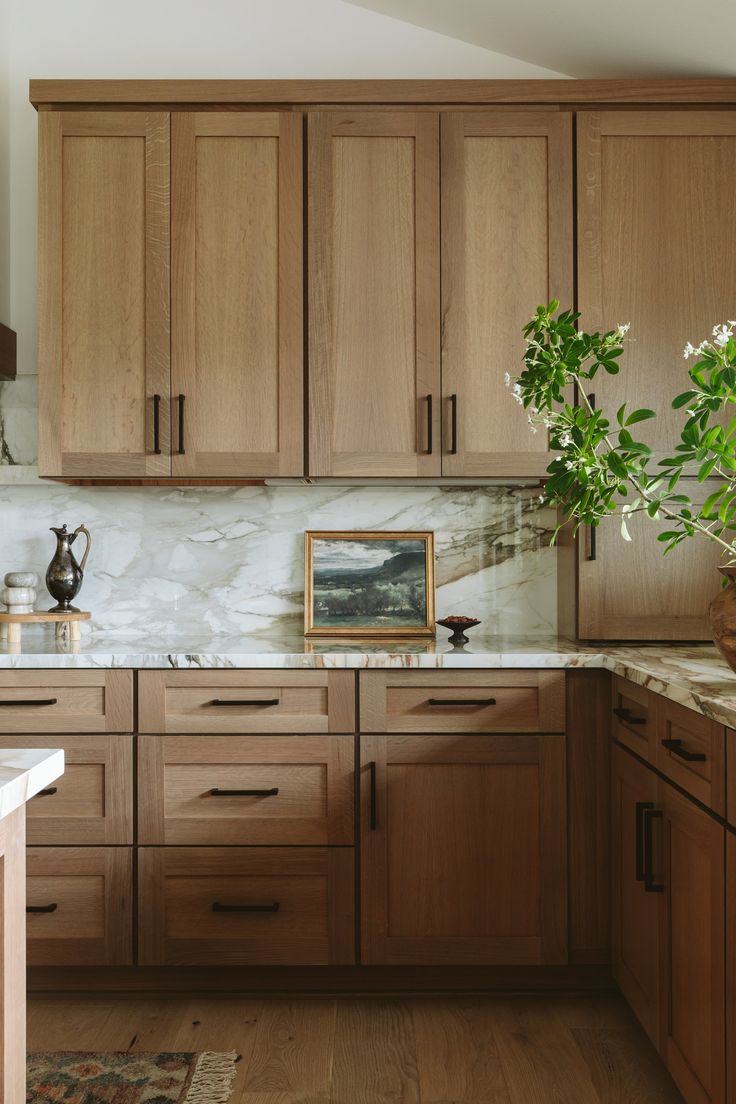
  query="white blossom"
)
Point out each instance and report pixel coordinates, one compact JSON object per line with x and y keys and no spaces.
{"x":532,"y":425}
{"x":507,"y":379}
{"x":622,"y":329}
{"x":565,"y":439}
{"x":516,"y":392}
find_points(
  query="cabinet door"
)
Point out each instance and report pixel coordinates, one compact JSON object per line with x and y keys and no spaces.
{"x":635,"y":905}
{"x":692,"y":948}
{"x":463,"y":855}
{"x":104,"y":294}
{"x":374,"y":294}
{"x":654,"y":196}
{"x":237,"y":356}
{"x":506,"y":247}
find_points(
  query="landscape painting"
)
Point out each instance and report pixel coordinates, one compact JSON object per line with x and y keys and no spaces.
{"x":369,"y":584}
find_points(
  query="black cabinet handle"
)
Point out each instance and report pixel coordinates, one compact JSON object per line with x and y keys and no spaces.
{"x":462,"y":701}
{"x":373,"y":806}
{"x":245,"y":793}
{"x":244,"y":701}
{"x":676,"y":747}
{"x":47,"y":793}
{"x":181,"y":424}
{"x":430,"y":442}
{"x":627,"y":716}
{"x":648,"y":815}
{"x":592,"y":543}
{"x":217,"y":906}
{"x":156,"y":425}
{"x":42,"y":908}
{"x":639,"y":838}
{"x":453,"y":424}
{"x":30,"y":701}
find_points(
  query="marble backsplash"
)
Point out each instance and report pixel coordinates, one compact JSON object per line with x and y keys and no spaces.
{"x":230,"y":560}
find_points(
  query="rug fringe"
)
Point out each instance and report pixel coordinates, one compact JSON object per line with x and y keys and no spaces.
{"x":212,"y":1081}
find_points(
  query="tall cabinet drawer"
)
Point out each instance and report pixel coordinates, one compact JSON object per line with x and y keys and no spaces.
{"x":66,"y":701}
{"x":246,"y":789}
{"x":246,"y":701}
{"x":92,"y":801}
{"x":691,"y":751}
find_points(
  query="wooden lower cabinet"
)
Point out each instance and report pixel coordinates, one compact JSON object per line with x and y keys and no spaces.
{"x":79,"y":906}
{"x":463,"y":850}
{"x":246,"y":906}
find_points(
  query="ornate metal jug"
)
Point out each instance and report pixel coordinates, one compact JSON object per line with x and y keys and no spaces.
{"x":64,"y":575}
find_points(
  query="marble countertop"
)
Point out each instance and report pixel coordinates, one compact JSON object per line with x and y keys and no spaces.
{"x":25,"y":771}
{"x":693,"y":675}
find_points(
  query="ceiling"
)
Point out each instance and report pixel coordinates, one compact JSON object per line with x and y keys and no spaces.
{"x":630,"y":38}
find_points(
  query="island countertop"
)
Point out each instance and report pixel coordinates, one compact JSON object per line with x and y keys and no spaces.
{"x":694,"y":675}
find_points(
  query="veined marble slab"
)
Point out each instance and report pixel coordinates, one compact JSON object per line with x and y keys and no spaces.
{"x":693,"y":675}
{"x":24,"y":772}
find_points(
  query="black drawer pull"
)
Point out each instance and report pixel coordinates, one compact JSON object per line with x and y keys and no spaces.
{"x":181,"y":400}
{"x":42,"y":908}
{"x":30,"y":701}
{"x":675,"y":746}
{"x":244,"y":701}
{"x":453,"y":425}
{"x":47,"y":793}
{"x":218,"y":907}
{"x":373,"y":804}
{"x":626,"y":715}
{"x":245,"y":793}
{"x":650,"y":814}
{"x":430,"y":443}
{"x":156,"y":425}
{"x":462,"y":701}
{"x":639,"y":838}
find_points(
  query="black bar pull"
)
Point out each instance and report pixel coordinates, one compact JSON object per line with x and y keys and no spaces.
{"x":47,"y":793}
{"x":156,"y":425}
{"x":245,"y":793}
{"x":592,"y":529}
{"x":430,"y":442}
{"x":676,"y":747}
{"x":181,"y":424}
{"x":627,"y":716}
{"x":244,"y":701}
{"x":42,"y":908}
{"x":217,"y":906}
{"x":462,"y":701}
{"x":639,"y":838}
{"x":648,"y":815}
{"x":373,"y":804}
{"x":30,"y":701}
{"x":453,"y":424}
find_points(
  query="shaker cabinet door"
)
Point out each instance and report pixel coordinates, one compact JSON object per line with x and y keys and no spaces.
{"x":104,"y":294}
{"x":237,"y":335}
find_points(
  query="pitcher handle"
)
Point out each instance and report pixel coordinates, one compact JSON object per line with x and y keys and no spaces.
{"x":85,"y":530}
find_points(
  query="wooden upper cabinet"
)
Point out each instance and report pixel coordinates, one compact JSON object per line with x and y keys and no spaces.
{"x":374,"y":294}
{"x":655,"y":197}
{"x":506,"y":248}
{"x":237,"y":330}
{"x":103,"y":293}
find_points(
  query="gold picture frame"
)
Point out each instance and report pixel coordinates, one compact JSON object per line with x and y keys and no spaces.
{"x":342,"y":620}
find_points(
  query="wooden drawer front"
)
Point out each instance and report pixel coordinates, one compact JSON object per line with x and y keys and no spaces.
{"x":462,"y":701}
{"x":66,"y":701}
{"x":633,"y":718}
{"x":92,"y":802}
{"x":312,"y":776}
{"x":258,"y":905}
{"x":246,"y":701}
{"x":731,"y":782}
{"x":691,"y":750}
{"x":91,"y":889}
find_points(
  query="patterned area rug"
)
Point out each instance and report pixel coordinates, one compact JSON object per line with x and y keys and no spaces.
{"x":87,"y":1078}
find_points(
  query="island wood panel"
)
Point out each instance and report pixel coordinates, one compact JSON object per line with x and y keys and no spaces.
{"x":309,"y":890}
{"x":237,"y":330}
{"x":304,"y":789}
{"x":637,"y":965}
{"x":92,"y":923}
{"x":506,"y":247}
{"x":374,"y":294}
{"x":92,"y":802}
{"x":256,"y":701}
{"x":66,"y":701}
{"x":692,"y":946}
{"x":13,"y":949}
{"x":463,"y":850}
{"x":462,"y":701}
{"x":103,"y":293}
{"x":730,"y":965}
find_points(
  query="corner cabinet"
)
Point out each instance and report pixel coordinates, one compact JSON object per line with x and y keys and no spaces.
{"x":170,"y":315}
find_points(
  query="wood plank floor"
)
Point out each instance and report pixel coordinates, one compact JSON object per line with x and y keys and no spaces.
{"x":496,"y":1050}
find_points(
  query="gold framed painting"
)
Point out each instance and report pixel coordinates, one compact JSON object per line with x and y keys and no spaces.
{"x":368,"y":583}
